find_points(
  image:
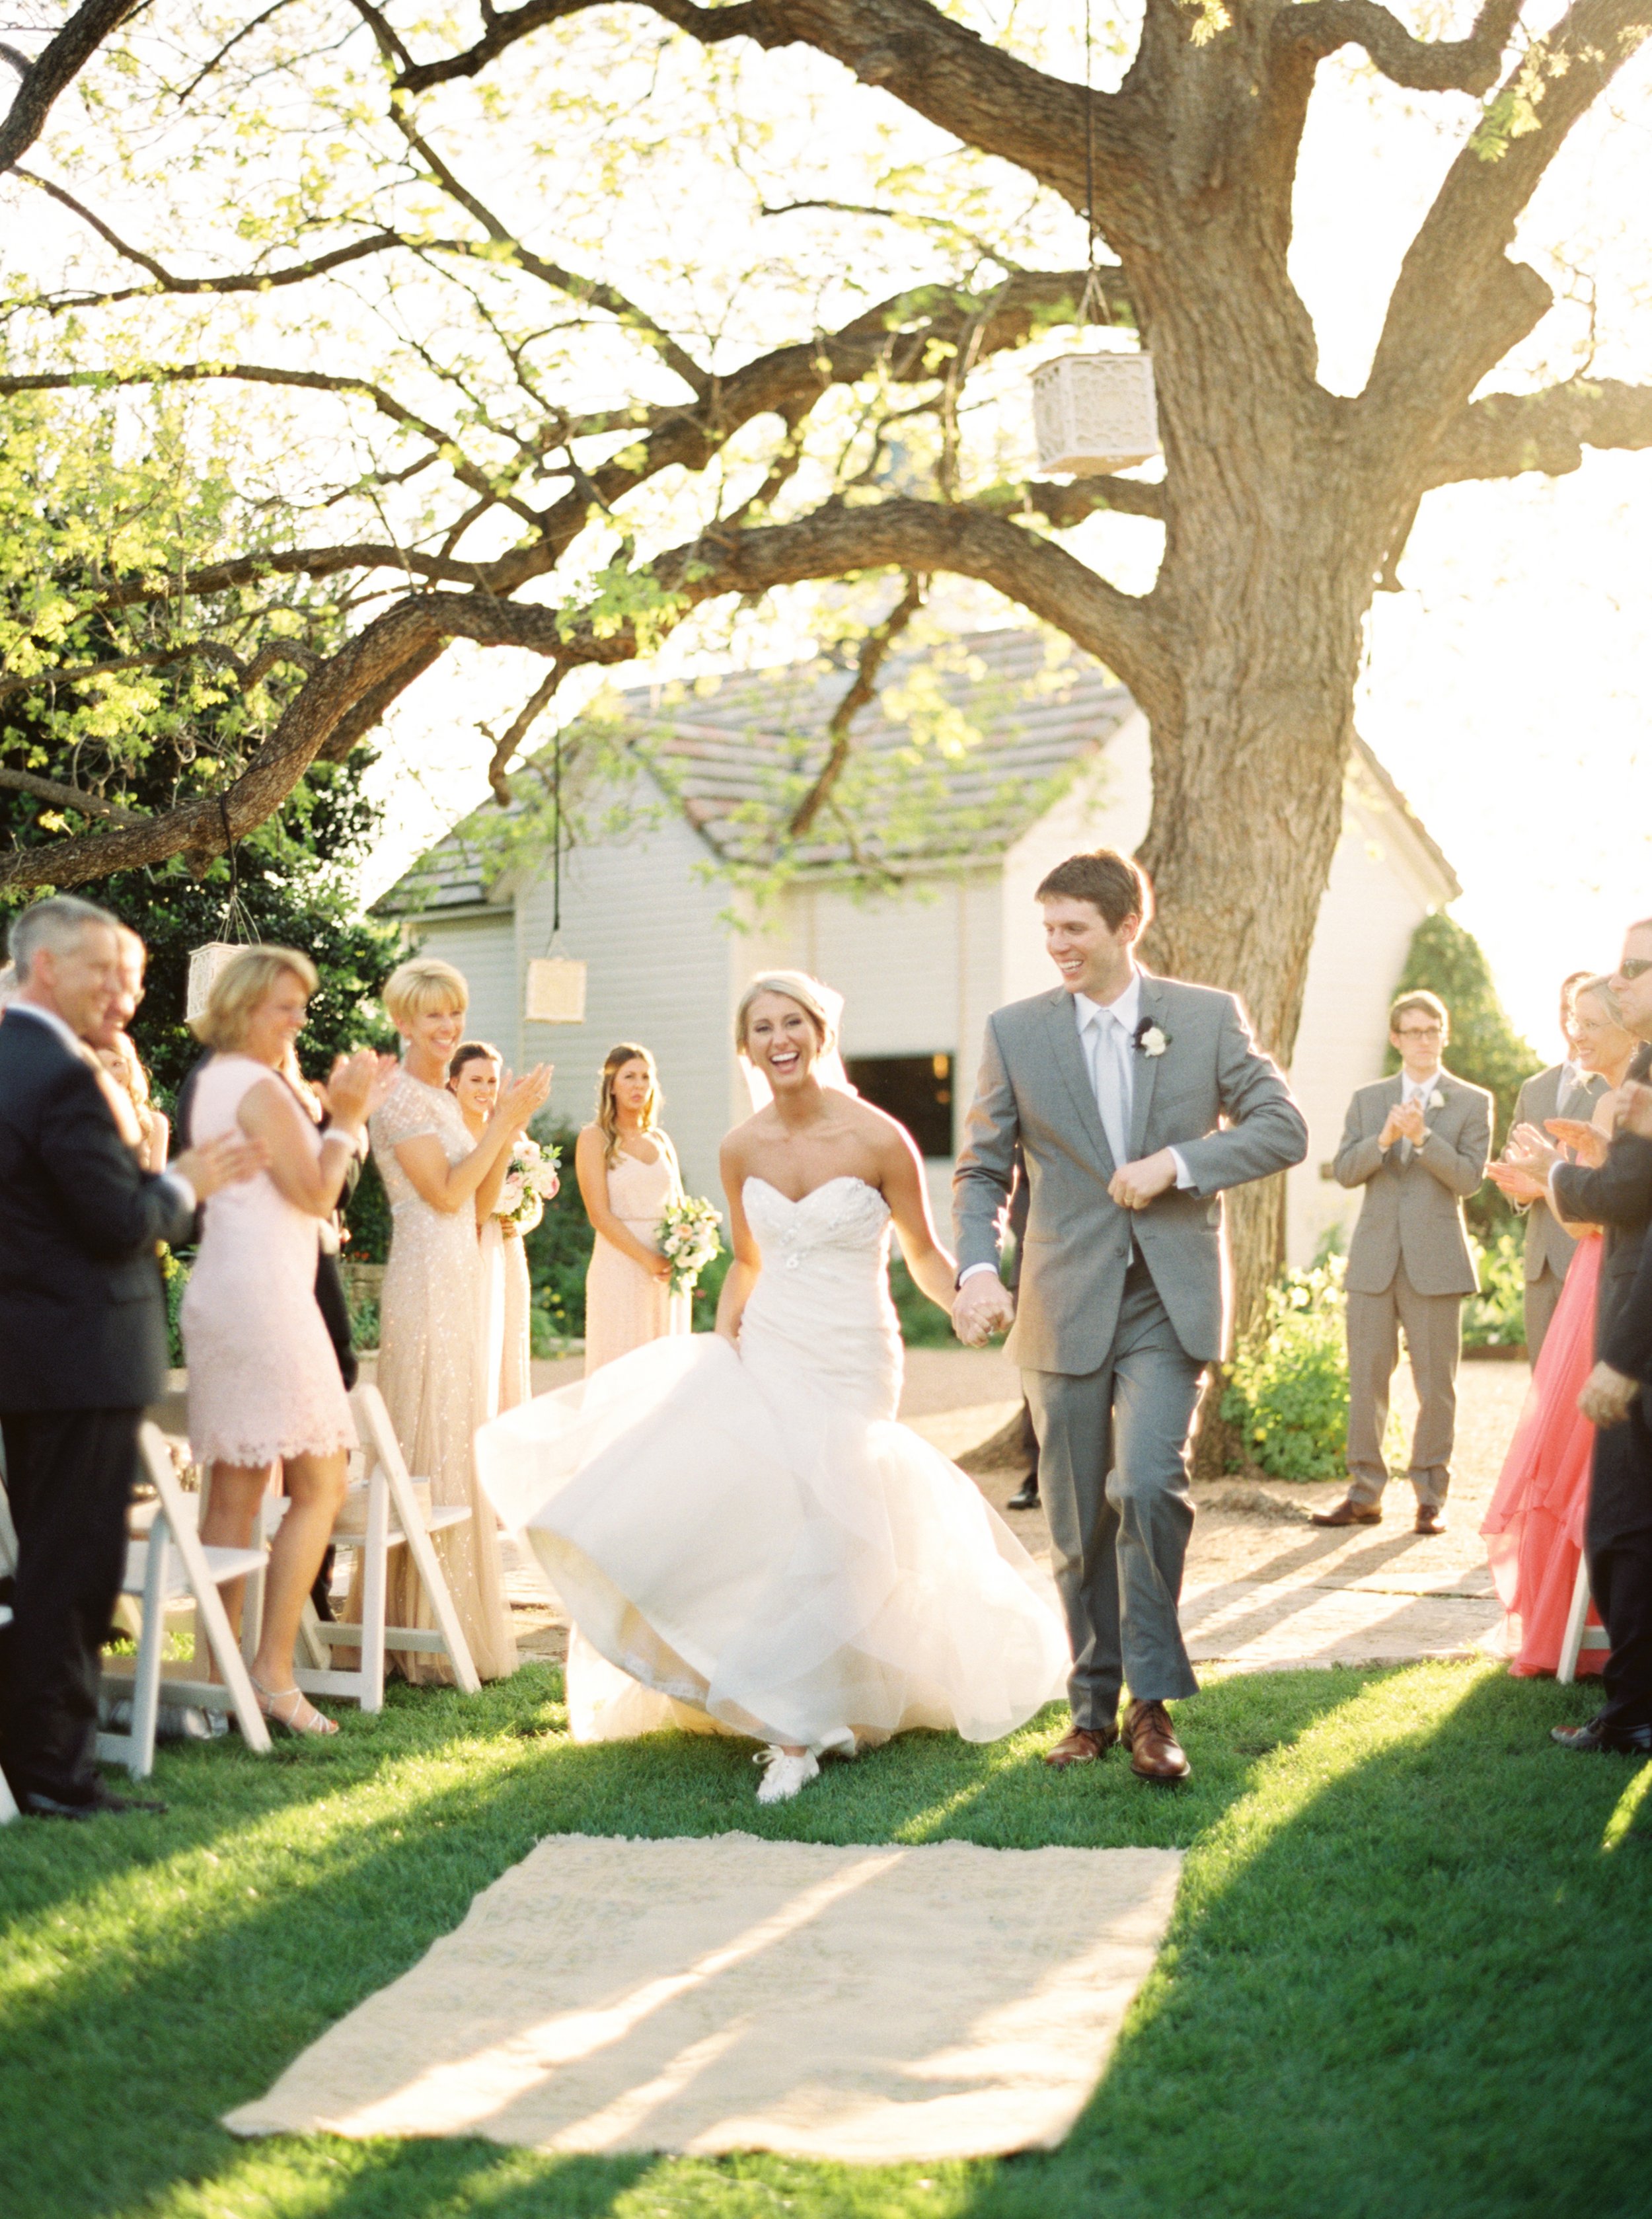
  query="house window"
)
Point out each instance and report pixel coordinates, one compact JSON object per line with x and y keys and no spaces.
{"x":916,"y":1089}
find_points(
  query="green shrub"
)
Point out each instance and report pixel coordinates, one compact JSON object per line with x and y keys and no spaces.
{"x":177,"y":1277}
{"x":1286,"y":1393}
{"x":1495,"y":1317}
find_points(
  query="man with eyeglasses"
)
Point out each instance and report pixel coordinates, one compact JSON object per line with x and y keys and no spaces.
{"x":1418,"y":1144}
{"x":1564,"y":1090}
{"x":1618,"y":1530}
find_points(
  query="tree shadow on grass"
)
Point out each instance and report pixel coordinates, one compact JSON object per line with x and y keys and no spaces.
{"x":1417,"y":1986}
{"x":208,"y":1948}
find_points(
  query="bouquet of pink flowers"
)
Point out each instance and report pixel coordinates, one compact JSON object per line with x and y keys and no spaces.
{"x":689,"y":1239}
{"x":530,"y":1183}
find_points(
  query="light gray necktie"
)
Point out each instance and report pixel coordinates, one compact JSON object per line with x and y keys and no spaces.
{"x":1406,"y":1095}
{"x":1111,"y":1074}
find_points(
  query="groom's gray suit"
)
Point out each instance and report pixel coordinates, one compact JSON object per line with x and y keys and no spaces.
{"x":1119,"y":1310}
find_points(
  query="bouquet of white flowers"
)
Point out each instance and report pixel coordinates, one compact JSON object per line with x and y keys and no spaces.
{"x":689,"y":1239}
{"x":530,"y":1182}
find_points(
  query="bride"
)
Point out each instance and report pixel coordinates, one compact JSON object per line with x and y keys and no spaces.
{"x":734,"y":1520}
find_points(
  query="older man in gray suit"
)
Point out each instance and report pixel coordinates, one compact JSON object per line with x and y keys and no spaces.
{"x":1418,"y":1144}
{"x":1133,"y":1101}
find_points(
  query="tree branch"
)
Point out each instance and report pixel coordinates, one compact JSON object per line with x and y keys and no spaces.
{"x":54,"y":69}
{"x":874,"y":649}
{"x":66,"y":797}
{"x":1468,"y":64}
{"x":1507,"y":433}
{"x":353,"y":690}
{"x":1428,"y":363}
{"x":504,"y":28}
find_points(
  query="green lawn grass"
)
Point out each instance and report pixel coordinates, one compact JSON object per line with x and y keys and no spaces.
{"x":1410,"y":1971}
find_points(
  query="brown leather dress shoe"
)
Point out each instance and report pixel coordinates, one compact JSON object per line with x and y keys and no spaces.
{"x":1430,"y":1519}
{"x":1349,"y":1512}
{"x":1082,"y":1745}
{"x":1155,"y":1753}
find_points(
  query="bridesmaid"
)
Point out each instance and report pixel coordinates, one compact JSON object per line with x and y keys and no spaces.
{"x":628,"y":1176}
{"x":1534,"y":1527}
{"x":474,"y":1078}
{"x":433,"y":1316}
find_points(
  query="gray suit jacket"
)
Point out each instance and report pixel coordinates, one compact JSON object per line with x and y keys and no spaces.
{"x":1413,"y":1211}
{"x":1034,"y":1094}
{"x":1548,"y":1246}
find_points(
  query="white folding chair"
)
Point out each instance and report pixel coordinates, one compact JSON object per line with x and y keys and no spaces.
{"x":393,"y":1521}
{"x":1580,"y":1634}
{"x":7,"y":1806}
{"x":173,"y":1565}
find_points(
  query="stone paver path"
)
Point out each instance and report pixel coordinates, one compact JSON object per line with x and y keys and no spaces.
{"x":1265,"y":1589}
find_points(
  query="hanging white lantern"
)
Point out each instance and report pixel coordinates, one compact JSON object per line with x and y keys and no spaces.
{"x":1094,"y":413}
{"x":205,"y":965}
{"x":556,"y":991}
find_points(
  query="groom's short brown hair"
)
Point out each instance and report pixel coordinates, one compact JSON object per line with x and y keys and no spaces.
{"x":1116,"y":884}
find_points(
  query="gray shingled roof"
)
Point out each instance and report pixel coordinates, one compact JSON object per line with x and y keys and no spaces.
{"x":963,"y":746}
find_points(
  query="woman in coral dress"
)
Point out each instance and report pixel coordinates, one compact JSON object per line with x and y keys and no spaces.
{"x":628,"y":1178}
{"x":433,"y":1322}
{"x":1534,"y":1528}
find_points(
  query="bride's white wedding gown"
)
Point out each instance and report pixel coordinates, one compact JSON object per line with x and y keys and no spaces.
{"x":749,"y":1534}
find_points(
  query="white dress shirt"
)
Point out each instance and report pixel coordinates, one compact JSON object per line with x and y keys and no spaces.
{"x":1106,"y":1036}
{"x":78,"y":1048}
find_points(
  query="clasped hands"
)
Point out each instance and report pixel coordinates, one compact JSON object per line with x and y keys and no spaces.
{"x":1405,"y":1121}
{"x":983,"y":1305}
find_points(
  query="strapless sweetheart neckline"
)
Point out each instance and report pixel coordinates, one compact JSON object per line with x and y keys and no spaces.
{"x":797,"y":1201}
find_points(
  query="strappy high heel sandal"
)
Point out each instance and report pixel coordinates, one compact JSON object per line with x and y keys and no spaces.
{"x":292,"y":1711}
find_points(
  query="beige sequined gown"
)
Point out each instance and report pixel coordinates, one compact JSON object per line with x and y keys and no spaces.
{"x":623,"y":1307}
{"x":432,"y":1374}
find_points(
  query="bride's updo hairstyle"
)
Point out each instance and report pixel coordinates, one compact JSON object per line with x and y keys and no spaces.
{"x":797,"y":986}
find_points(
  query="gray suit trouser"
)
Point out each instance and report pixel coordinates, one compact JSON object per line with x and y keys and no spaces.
{"x":1542,"y":1300}
{"x":1112,"y":1468}
{"x":1433,"y":1326}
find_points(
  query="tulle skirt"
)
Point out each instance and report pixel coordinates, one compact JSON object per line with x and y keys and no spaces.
{"x":1534,"y":1529}
{"x":763,"y":1557}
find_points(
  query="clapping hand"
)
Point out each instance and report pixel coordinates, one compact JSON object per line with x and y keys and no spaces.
{"x":1588,"y":1142}
{"x":223,"y":1162}
{"x":1405,"y":1121}
{"x":1635,"y":1109}
{"x":1607,"y":1395}
{"x":520,"y":1100}
{"x":356,"y":1085}
{"x":982,"y":1307}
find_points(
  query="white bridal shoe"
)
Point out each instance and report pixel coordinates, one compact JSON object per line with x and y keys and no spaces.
{"x":785,"y":1776}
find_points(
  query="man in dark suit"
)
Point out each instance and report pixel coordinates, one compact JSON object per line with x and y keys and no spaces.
{"x":1617,"y":1533}
{"x":82,"y":1338}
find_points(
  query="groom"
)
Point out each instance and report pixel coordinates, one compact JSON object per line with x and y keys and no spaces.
{"x":1133,"y":1102}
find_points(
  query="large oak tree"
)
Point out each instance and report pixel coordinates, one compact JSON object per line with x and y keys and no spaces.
{"x":331,"y":204}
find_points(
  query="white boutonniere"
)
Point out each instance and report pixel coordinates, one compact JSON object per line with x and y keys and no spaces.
{"x":1437,"y":1100}
{"x":1151,"y":1039}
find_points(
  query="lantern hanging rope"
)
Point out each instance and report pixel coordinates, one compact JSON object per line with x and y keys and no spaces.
{"x":236,"y":929}
{"x":555,"y":983}
{"x":1093,"y":413}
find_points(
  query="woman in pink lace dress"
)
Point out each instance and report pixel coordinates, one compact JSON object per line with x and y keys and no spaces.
{"x":628,"y":1176}
{"x":1534,"y":1527}
{"x":264,"y":1388}
{"x":432,"y":1315}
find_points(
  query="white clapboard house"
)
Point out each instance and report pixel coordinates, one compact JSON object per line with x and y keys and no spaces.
{"x":988,"y":760}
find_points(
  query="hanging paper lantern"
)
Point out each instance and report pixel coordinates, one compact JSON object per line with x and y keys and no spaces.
{"x":205,"y":965}
{"x":1094,"y":413}
{"x":556,"y":991}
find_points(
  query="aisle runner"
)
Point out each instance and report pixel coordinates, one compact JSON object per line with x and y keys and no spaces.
{"x":878,"y":2004}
